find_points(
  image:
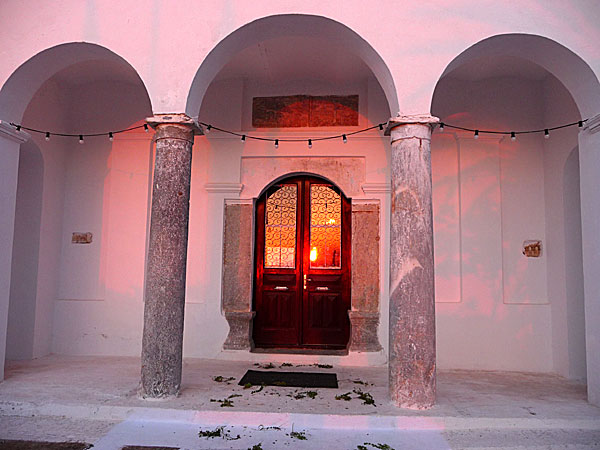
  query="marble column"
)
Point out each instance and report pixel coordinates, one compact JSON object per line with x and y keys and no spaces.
{"x":164,"y":294}
{"x":412,"y":308}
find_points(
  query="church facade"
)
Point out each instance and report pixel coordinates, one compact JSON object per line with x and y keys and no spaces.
{"x":411,"y":185}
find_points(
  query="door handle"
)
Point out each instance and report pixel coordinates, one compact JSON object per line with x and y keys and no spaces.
{"x":281,"y":288}
{"x":322,"y":288}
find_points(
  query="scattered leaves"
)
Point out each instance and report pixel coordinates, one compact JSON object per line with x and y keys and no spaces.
{"x":301,"y":435}
{"x":222,"y":379}
{"x":286,"y":365}
{"x":265,"y":366}
{"x":226,"y":403}
{"x":365,"y":397}
{"x":218,"y":432}
{"x":378,"y":446}
{"x":364,"y":383}
{"x":324,"y":366}
{"x":346,"y":397}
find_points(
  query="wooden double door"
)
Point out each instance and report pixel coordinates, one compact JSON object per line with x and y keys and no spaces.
{"x":302,"y":282}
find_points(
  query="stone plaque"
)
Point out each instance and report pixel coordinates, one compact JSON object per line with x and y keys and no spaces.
{"x":305,"y":111}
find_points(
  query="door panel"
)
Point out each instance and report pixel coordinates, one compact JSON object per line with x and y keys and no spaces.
{"x":302,"y":284}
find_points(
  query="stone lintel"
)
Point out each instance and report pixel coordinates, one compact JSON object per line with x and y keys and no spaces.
{"x":240,"y":330}
{"x":174,"y":119}
{"x":9,"y":132}
{"x":416,"y":119}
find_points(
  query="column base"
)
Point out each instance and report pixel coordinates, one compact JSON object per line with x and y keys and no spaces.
{"x":363,"y":331}
{"x":240,"y":330}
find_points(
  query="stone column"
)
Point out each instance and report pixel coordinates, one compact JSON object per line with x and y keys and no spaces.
{"x":412,"y":308}
{"x":164,"y":294}
{"x":10,"y":141}
{"x":589,"y":168}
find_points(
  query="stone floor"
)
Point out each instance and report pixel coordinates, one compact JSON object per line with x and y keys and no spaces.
{"x":95,"y":399}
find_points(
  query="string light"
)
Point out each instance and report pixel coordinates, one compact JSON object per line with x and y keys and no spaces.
{"x":344,"y":137}
{"x":110,"y":136}
{"x":513,"y":134}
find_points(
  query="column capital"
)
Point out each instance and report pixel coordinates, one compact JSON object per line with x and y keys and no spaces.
{"x":413,"y":119}
{"x":180,"y":119}
{"x":592,"y":125}
{"x":9,"y":132}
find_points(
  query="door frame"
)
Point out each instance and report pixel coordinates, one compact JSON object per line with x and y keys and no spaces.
{"x":302,"y":263}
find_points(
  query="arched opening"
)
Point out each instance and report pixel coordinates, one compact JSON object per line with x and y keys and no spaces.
{"x":302,"y":265}
{"x":498,"y":308}
{"x":286,"y":76}
{"x":74,"y":219}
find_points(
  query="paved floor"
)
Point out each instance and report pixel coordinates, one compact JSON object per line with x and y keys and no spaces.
{"x":96,"y":400}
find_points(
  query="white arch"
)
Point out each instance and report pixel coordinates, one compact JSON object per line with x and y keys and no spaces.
{"x":24,"y":82}
{"x":572,"y":71}
{"x":287,"y":25}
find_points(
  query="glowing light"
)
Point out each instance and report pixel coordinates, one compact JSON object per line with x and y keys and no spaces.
{"x":313,"y":254}
{"x":331,"y":221}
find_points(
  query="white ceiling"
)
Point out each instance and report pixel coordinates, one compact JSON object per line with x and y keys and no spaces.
{"x":296,"y":58}
{"x":499,"y":66}
{"x":92,"y":71}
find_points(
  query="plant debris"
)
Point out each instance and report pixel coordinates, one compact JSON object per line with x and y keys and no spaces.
{"x":247,"y":385}
{"x":262,"y":386}
{"x":300,"y":435}
{"x":256,"y":447}
{"x":300,"y":395}
{"x":364,"y":383}
{"x":365,"y":397}
{"x":262,"y":428}
{"x":265,"y":366}
{"x":218,"y":432}
{"x":378,"y":446}
{"x":345,"y":397}
{"x":286,"y":365}
{"x":226,"y":403}
{"x":222,"y":379}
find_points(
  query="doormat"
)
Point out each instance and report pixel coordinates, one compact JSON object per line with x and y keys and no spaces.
{"x":290,"y":379}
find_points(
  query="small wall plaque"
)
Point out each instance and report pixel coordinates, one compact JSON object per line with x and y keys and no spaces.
{"x":532,"y":249}
{"x":81,"y":238}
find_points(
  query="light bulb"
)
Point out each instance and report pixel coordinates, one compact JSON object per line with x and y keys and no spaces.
{"x":110,"y":136}
{"x":276,"y":143}
{"x":344,"y":138}
{"x":546,"y":134}
{"x":81,"y":138}
{"x":513,"y":136}
{"x":310,"y":143}
{"x":47,"y":136}
{"x":476,"y":135}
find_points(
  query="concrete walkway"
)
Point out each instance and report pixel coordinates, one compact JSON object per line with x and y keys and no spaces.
{"x":95,"y":400}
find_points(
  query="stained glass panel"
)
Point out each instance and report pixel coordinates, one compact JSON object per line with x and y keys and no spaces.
{"x":280,"y":227}
{"x":325,"y":227}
